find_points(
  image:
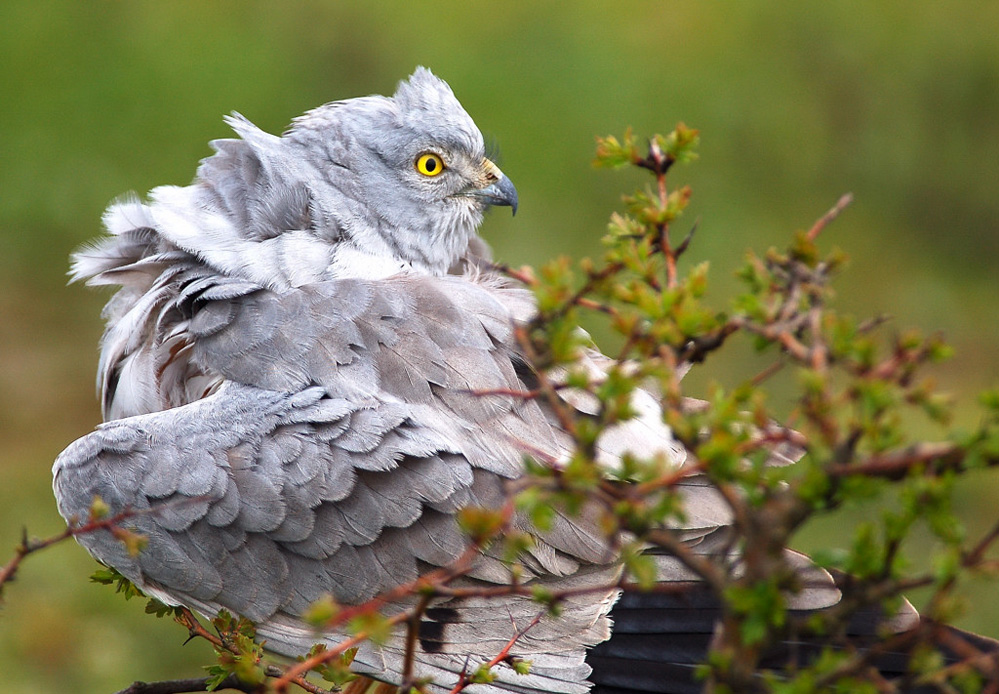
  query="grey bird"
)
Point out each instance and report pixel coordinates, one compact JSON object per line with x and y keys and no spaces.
{"x":289,"y":379}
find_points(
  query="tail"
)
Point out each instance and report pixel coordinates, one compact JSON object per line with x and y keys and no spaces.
{"x":659,"y":640}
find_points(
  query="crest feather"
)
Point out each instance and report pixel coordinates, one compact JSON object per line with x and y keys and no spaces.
{"x":425,"y":90}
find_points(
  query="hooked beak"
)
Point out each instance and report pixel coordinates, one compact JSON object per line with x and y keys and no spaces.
{"x":500,"y":191}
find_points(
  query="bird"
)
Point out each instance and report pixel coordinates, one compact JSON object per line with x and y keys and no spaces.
{"x":310,"y":367}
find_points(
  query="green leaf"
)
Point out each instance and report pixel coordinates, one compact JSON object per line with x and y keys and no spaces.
{"x":614,"y":154}
{"x":521,"y":666}
{"x":337,"y":669}
{"x":321,"y":611}
{"x":760,"y":606}
{"x":483,"y":675}
{"x":99,"y":509}
{"x":105,"y":576}
{"x":377,"y":626}
{"x":641,"y":567}
{"x":536,"y":502}
{"x":216,"y":676}
{"x":480,"y":524}
{"x":680,"y":145}
{"x":110,"y":576}
{"x":134,"y":542}
{"x":155,"y":607}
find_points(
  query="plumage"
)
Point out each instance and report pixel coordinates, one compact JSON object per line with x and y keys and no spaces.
{"x":291,"y":377}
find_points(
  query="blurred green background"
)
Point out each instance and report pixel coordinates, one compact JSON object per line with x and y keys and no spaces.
{"x":797,"y":103}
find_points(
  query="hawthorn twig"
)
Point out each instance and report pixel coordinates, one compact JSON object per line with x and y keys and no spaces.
{"x":506,"y":392}
{"x":700,"y":347}
{"x":187,"y":619}
{"x":708,"y":570}
{"x":25,"y":548}
{"x":660,"y":165}
{"x":829,"y":216}
{"x":29,"y":546}
{"x":412,"y":632}
{"x":299,"y":670}
{"x":194,"y":684}
{"x":986,"y":662}
{"x":524,"y":275}
{"x":977,"y":553}
{"x":504,"y":655}
{"x":895,"y":465}
{"x":428,"y":584}
{"x":766,"y":373}
{"x":545,"y":385}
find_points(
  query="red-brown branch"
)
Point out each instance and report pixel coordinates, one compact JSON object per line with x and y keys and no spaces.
{"x":428,"y":584}
{"x":464,"y":680}
{"x":829,"y":216}
{"x":897,"y":464}
{"x":194,"y":684}
{"x":28,"y":546}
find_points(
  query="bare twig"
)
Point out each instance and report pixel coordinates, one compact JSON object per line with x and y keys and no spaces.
{"x":829,"y":216}
{"x":977,"y":553}
{"x":524,"y":275}
{"x":428,"y":584}
{"x":29,"y":546}
{"x":464,"y":679}
{"x":766,"y":373}
{"x":25,"y":548}
{"x":545,"y":385}
{"x":504,"y":392}
{"x":194,"y":684}
{"x":412,"y":632}
{"x":895,"y":465}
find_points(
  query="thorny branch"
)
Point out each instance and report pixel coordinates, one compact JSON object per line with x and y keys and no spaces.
{"x":465,"y":679}
{"x":194,"y":684}
{"x":25,"y":548}
{"x":426,"y":585}
{"x":28,"y":546}
{"x":896,"y":465}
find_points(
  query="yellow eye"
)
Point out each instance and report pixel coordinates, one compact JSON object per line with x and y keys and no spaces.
{"x":429,"y":164}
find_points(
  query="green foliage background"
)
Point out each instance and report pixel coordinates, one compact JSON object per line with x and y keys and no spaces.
{"x":797,"y":103}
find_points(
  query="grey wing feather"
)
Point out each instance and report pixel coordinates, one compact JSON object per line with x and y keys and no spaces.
{"x":228,"y":543}
{"x":140,"y":466}
{"x":321,"y":439}
{"x":334,"y":463}
{"x":282,"y":432}
{"x":211,"y":464}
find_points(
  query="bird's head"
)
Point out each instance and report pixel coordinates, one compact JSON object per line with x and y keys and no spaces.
{"x":406,"y":175}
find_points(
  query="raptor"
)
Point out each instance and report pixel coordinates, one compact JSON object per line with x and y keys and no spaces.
{"x":292,"y":380}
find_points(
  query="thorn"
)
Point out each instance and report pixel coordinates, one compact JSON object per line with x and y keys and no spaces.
{"x":686,"y":240}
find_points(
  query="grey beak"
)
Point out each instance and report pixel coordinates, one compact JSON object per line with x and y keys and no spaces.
{"x":502,"y":192}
